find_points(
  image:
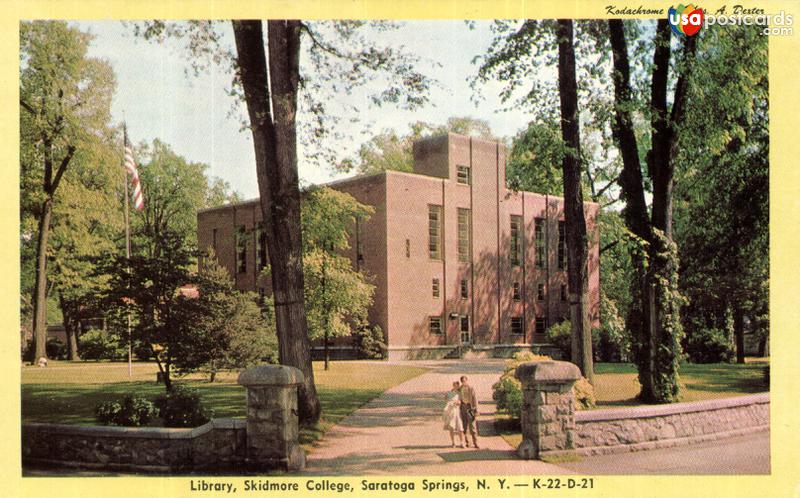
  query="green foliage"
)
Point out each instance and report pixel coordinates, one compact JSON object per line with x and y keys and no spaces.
{"x":370,"y":343}
{"x":705,"y":345}
{"x":56,"y":349}
{"x":337,"y":296}
{"x":534,"y":164}
{"x":507,"y":392}
{"x":130,"y":411}
{"x":222,"y":328}
{"x":560,"y":335}
{"x":181,"y":407}
{"x":96,"y":344}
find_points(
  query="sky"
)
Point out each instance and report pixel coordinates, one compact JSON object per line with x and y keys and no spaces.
{"x":157,"y":99}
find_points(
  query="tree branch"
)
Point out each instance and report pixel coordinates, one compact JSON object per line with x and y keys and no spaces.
{"x":62,"y":167}
{"x":322,"y":46}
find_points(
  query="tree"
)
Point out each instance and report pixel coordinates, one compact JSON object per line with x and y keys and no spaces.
{"x":149,"y":285}
{"x":723,"y":166}
{"x":221,"y":328}
{"x":655,"y":317}
{"x":577,"y":239}
{"x":269,"y":82}
{"x":337,"y":296}
{"x":65,"y":98}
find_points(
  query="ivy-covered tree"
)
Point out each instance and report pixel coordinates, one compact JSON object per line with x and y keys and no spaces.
{"x":65,"y":101}
{"x":337,"y":295}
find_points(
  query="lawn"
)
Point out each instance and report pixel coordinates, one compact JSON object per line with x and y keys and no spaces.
{"x":67,"y":392}
{"x":616,"y":384}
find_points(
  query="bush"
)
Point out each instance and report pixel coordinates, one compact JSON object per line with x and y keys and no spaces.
{"x":181,"y":407}
{"x":708,"y":345}
{"x":96,"y":344}
{"x":560,"y":335}
{"x":369,"y":343}
{"x":131,"y":411}
{"x":56,"y":350}
{"x":507,"y":392}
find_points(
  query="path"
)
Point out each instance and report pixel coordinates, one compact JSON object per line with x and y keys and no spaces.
{"x":400,"y":432}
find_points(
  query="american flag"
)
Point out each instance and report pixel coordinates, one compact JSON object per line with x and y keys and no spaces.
{"x":130,"y":165}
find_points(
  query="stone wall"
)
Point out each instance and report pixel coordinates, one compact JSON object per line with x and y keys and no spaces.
{"x":218,"y":444}
{"x":650,"y":427}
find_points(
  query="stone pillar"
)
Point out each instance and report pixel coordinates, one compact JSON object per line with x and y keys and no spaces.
{"x":548,"y":408}
{"x":272,"y":422}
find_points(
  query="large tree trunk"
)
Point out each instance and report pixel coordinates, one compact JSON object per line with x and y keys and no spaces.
{"x":40,"y":287}
{"x":276,"y":167}
{"x":575,"y":221}
{"x":654,"y":316}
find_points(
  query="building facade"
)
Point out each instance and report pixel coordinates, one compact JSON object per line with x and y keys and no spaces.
{"x":459,"y":261}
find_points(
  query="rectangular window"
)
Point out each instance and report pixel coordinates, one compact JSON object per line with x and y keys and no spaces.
{"x":464,"y":289}
{"x":435,"y":231}
{"x":214,"y":240}
{"x":516,"y":294}
{"x":359,"y":242}
{"x":563,"y":292}
{"x":562,"y":245}
{"x":540,"y":325}
{"x":516,"y":325}
{"x":241,"y":250}
{"x":540,"y":292}
{"x":408,"y":248}
{"x":463,"y":175}
{"x":516,"y":240}
{"x":539,"y":241}
{"x":261,"y":247}
{"x":435,"y":287}
{"x":435,"y":325}
{"x":464,"y":219}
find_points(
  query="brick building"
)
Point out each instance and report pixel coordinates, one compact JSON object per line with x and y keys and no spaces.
{"x":458,"y":259}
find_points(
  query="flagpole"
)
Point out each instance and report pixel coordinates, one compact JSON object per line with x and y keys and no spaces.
{"x":128,"y":252}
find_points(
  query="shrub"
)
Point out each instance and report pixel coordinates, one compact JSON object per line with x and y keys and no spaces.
{"x":130,"y":411}
{"x":507,"y":392}
{"x":560,"y":335}
{"x":181,"y":407}
{"x":56,"y":350}
{"x":708,"y":345}
{"x":98,"y":345}
{"x":369,"y":343}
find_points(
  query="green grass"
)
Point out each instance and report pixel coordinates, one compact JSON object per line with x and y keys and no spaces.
{"x":616,"y":384}
{"x":67,"y":392}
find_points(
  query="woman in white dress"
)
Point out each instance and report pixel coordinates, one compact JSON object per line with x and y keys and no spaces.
{"x":452,"y":415}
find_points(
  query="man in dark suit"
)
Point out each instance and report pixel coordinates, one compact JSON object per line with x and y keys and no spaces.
{"x":469,"y":407}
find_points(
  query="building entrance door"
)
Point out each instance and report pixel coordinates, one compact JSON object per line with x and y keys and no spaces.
{"x":466,"y":335}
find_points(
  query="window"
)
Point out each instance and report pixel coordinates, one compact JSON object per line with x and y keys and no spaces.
{"x":563,"y":292}
{"x":435,"y":287}
{"x":540,"y":292}
{"x":562,"y":245}
{"x":435,"y":325}
{"x":516,"y":325}
{"x":464,"y":289}
{"x":435,"y":231}
{"x":540,"y":325}
{"x":261,"y":247}
{"x":516,"y":292}
{"x":516,"y":240}
{"x":464,"y":216}
{"x":408,"y":248}
{"x":214,"y":240}
{"x":241,"y":250}
{"x":463,"y":175}
{"x":539,"y":242}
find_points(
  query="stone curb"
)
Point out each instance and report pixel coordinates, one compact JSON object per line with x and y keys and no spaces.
{"x":135,"y":432}
{"x":671,"y":409}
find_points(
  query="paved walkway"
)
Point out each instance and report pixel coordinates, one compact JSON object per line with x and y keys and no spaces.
{"x":400,"y":432}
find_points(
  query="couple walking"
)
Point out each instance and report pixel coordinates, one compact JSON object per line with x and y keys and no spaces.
{"x":459,"y":413}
